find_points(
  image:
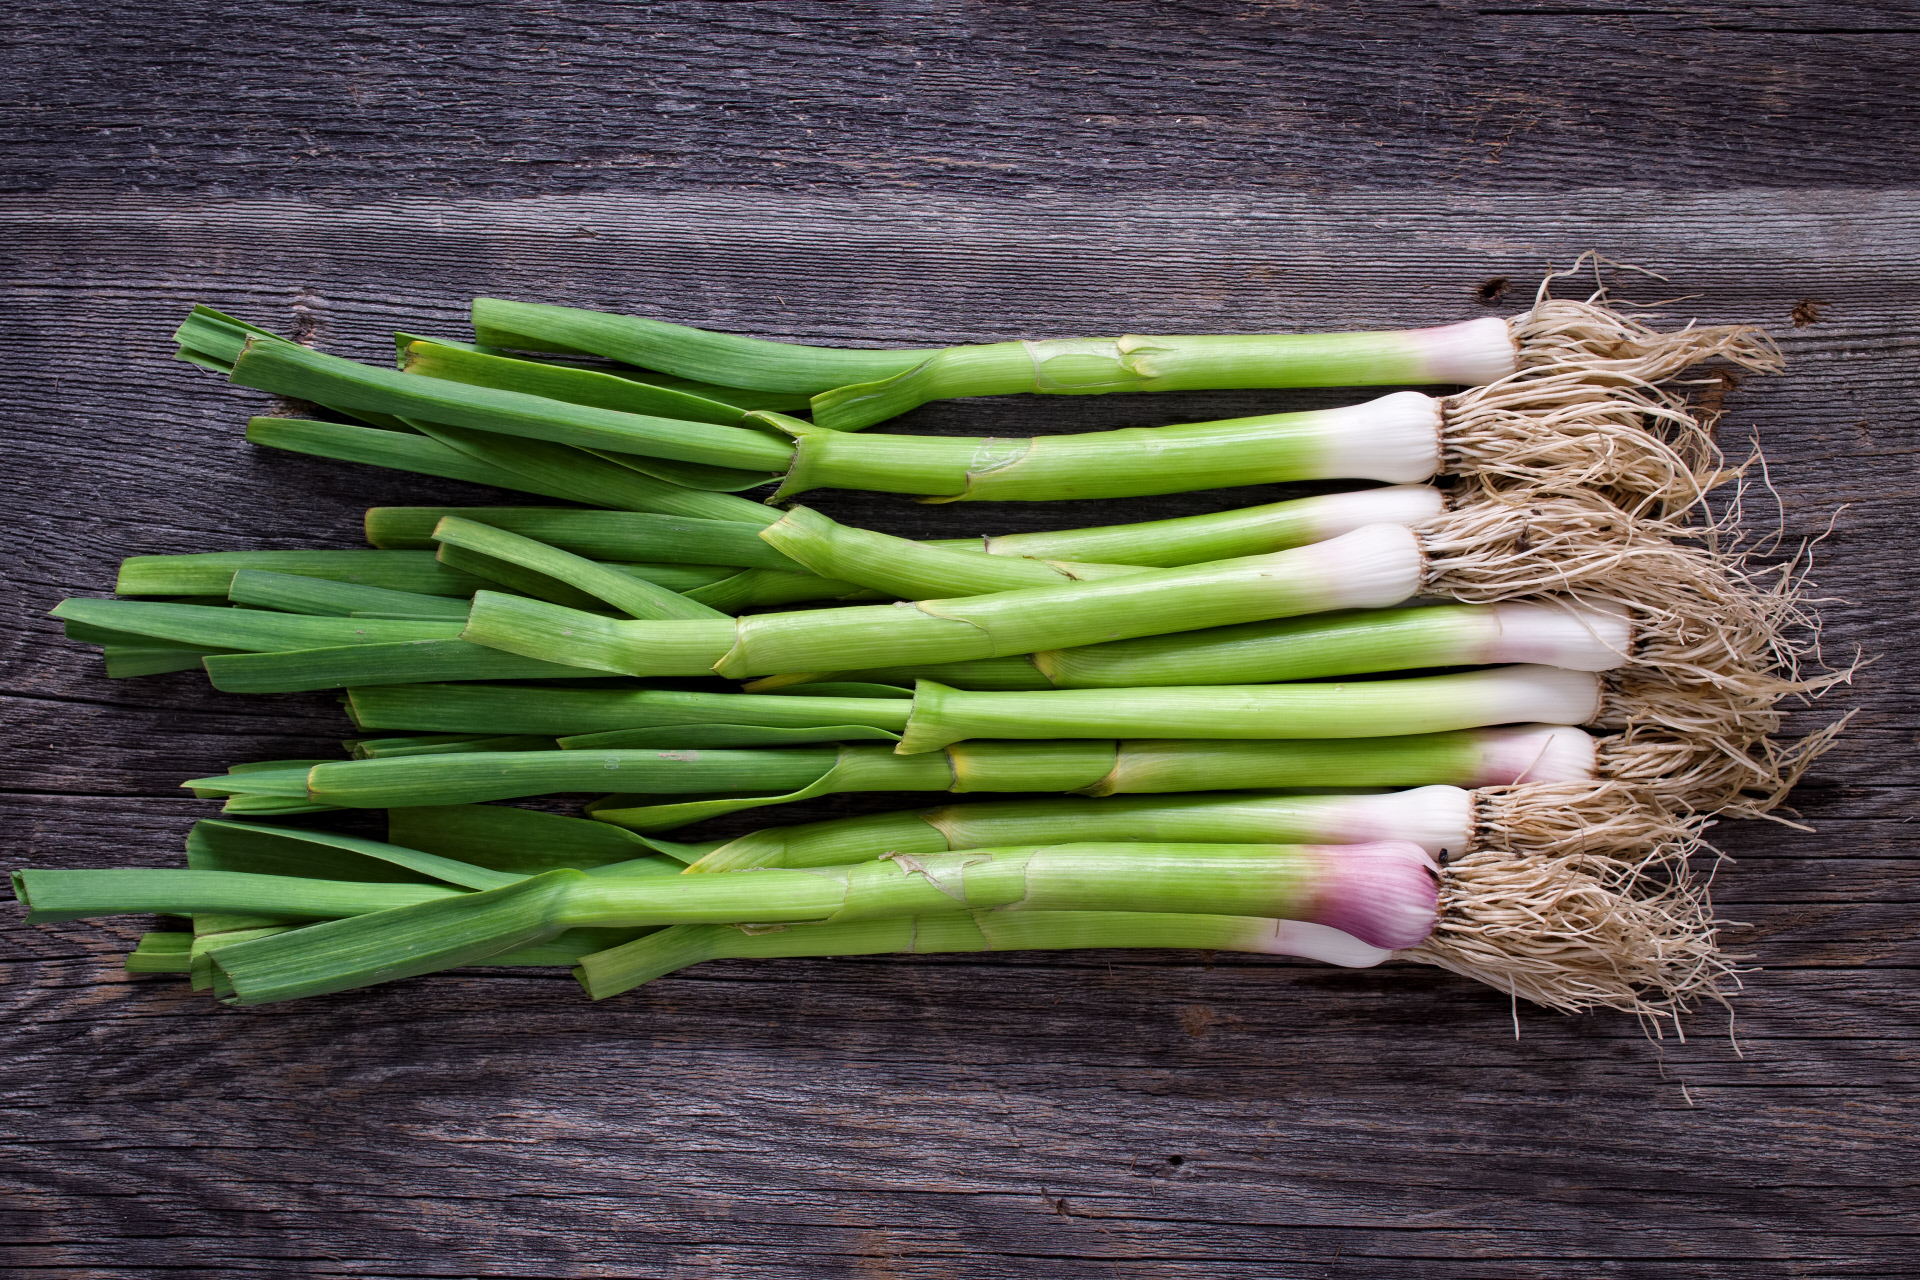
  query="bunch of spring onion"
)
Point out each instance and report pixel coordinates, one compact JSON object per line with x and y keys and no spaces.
{"x":1547,"y":413}
{"x":1155,"y":659}
{"x":280,"y":913}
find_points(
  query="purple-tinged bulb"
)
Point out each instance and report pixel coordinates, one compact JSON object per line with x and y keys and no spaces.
{"x":1385,"y":892}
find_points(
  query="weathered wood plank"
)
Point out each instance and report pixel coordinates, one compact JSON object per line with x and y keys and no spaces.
{"x":959,"y":98}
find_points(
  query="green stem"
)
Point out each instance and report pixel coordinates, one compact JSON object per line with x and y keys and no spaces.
{"x":445,"y":744}
{"x":585,"y":476}
{"x":914,"y":570}
{"x":211,"y":573}
{"x":1222,"y":535}
{"x":285,"y":369}
{"x":74,"y":895}
{"x":690,"y":353}
{"x":1364,"y":641}
{"x":582,"y":478}
{"x":520,"y":841}
{"x":253,"y":849}
{"x":1472,"y":352}
{"x":763,"y":588}
{"x":353,"y":666}
{"x":161,"y":953}
{"x":1438,"y":818}
{"x":295,"y":593}
{"x":1384,"y":894}
{"x":125,"y":662}
{"x":395,"y":450}
{"x":633,"y":596}
{"x":597,"y":535}
{"x":1357,"y":709}
{"x":1396,"y":438}
{"x":1471,"y":758}
{"x":735,"y":397}
{"x":1372,"y":567}
{"x":560,"y":382}
{"x":249,"y":629}
{"x":622,"y":968}
{"x":213,"y":340}
{"x":461,"y":708}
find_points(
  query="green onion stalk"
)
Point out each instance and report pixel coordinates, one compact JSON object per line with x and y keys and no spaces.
{"x":1560,"y":436}
{"x":412,"y":573}
{"x":656,"y":789}
{"x":1382,"y":893}
{"x":392,"y":398}
{"x":1602,"y":836}
{"x":462,"y":847}
{"x":1696,"y":748}
{"x":215,"y":341}
{"x":719,"y":584}
{"x":1707,"y":641}
{"x":526,"y":466}
{"x":1351,"y":642}
{"x":1548,"y":931}
{"x":1602,"y":821}
{"x":259,"y":651}
{"x":643,"y":537}
{"x":1550,"y":435}
{"x":865,"y":563}
{"x":399,"y":582}
{"x":1551,"y":934}
{"x":854,"y":388}
{"x":1592,"y":553}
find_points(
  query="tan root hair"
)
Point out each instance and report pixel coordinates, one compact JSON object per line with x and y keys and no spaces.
{"x":1565,"y":434}
{"x":1611,"y":825}
{"x":1614,"y":346}
{"x":1552,"y":932}
{"x":1698,"y":709}
{"x":1730,"y":778}
{"x":1492,"y":546}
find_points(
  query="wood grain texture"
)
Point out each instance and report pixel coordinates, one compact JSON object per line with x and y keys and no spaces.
{"x":974,"y":172}
{"x":517,"y":97}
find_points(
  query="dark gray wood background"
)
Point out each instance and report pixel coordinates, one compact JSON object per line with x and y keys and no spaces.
{"x":920,"y":172}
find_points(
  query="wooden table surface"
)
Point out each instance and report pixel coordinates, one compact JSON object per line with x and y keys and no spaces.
{"x":915,"y":173}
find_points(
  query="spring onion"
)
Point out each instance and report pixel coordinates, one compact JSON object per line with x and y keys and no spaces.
{"x":1554,"y":432}
{"x":854,"y":388}
{"x":1549,"y":930}
{"x":1328,"y":644}
{"x":1605,"y":828}
{"x":1489,"y":757}
{"x":1383,"y":893}
{"x":1494,"y":553}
